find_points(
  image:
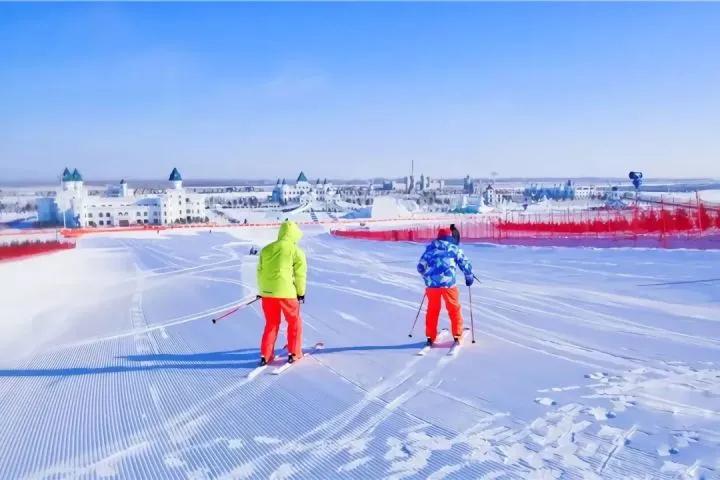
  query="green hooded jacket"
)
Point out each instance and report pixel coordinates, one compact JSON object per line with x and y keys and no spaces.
{"x":282,"y":268}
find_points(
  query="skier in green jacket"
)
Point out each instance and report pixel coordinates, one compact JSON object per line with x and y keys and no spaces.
{"x":281,"y":278}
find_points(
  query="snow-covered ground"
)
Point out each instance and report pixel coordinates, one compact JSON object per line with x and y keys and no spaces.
{"x":712,"y":196}
{"x":13,"y":216}
{"x":588,"y":364}
{"x":251,"y":215}
{"x":267,"y":215}
{"x":547,"y":206}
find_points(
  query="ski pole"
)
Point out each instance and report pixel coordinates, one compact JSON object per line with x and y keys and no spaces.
{"x":472,"y":320}
{"x":476,"y":279}
{"x":214,"y":320}
{"x":417,"y":316}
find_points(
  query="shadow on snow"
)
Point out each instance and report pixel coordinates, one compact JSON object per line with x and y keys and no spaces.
{"x":232,"y":359}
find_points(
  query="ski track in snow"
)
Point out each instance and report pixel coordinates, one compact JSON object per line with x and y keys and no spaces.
{"x":573,"y":376}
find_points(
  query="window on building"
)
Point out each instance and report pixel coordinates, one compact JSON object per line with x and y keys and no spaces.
{"x":90,"y":215}
{"x":137,"y":214}
{"x":101,"y":222}
{"x":144,"y":214}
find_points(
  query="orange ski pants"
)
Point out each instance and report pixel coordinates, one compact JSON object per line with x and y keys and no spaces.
{"x":451,"y":296}
{"x":290,"y":309}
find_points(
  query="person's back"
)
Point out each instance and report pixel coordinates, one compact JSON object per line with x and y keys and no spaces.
{"x":281,"y":279}
{"x":438,"y":263}
{"x":437,"y":266}
{"x":282,"y":265}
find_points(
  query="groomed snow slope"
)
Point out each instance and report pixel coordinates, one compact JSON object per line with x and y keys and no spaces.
{"x":110,"y":367}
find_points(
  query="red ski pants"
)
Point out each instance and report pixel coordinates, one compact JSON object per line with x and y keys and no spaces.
{"x":290,"y":309}
{"x":452,"y":303}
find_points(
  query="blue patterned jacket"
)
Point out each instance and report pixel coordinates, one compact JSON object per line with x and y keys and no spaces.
{"x":437,"y":264}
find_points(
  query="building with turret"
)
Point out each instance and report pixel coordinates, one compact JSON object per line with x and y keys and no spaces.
{"x":120,"y":207}
{"x":302,"y":192}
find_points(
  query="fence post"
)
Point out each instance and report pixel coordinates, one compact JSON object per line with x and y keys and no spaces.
{"x":699,"y":212}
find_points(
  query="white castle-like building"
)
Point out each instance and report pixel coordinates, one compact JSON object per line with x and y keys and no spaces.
{"x":302,"y":192}
{"x":119,"y":207}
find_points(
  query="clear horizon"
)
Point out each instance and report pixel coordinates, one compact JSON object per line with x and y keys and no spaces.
{"x":359,"y":90}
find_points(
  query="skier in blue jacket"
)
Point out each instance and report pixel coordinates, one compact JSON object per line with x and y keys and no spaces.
{"x":437,"y":266}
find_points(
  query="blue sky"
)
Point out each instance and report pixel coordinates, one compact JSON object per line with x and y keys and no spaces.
{"x":359,"y":89}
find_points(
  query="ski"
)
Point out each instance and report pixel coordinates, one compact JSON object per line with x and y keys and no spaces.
{"x":287,"y":365}
{"x":261,"y":368}
{"x":256,"y":371}
{"x":426,"y":349}
{"x":455,"y":348}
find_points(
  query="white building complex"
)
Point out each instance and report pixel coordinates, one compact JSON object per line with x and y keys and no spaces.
{"x":302,"y":192}
{"x":119,"y":207}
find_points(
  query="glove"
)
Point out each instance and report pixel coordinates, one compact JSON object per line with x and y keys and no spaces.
{"x":469,"y":281}
{"x":301,"y":298}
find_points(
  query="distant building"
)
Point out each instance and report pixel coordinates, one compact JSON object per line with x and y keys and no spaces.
{"x":586,"y":193}
{"x":74,"y":207}
{"x":409,"y":184}
{"x":119,"y":190}
{"x":303,"y":191}
{"x":423,"y":184}
{"x":564,"y":191}
{"x":470,"y":186}
{"x":393,"y":186}
{"x":491,"y":196}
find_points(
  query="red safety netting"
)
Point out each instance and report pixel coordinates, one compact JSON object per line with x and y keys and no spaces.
{"x":641,"y":221}
{"x":692,"y":220}
{"x":25,"y":249}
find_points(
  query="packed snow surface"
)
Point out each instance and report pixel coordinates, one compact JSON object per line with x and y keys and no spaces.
{"x":712,"y":196}
{"x":588,"y":364}
{"x":392,"y":207}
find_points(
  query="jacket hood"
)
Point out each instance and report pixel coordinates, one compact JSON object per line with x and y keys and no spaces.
{"x":290,"y":231}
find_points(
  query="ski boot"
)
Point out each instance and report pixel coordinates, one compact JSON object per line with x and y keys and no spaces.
{"x":291,"y":358}
{"x":456,"y":341}
{"x":263,"y":362}
{"x":429,"y":342}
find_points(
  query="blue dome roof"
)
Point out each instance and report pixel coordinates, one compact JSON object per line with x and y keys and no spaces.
{"x":302,"y":177}
{"x":66,"y":176}
{"x":175,"y":176}
{"x":76,"y":177}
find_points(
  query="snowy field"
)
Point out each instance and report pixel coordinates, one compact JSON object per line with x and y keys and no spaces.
{"x":711,"y":196}
{"x":588,"y":364}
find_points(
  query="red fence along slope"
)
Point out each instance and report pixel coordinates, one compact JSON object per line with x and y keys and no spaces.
{"x":26,"y":249}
